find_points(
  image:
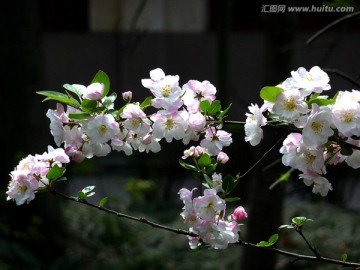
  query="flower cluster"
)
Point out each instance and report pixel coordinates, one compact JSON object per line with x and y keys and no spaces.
{"x":204,"y":216}
{"x":31,"y":174}
{"x":94,"y":128}
{"x":327,"y":129}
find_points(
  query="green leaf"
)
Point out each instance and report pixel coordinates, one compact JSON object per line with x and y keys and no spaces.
{"x":232,"y":199}
{"x":88,"y":104}
{"x":273,"y":239}
{"x":204,"y":160}
{"x":208,"y":180}
{"x":286,"y":227}
{"x":263,"y":244}
{"x":346,"y":151}
{"x":146,"y":103}
{"x":53,"y":95}
{"x":81,"y":195}
{"x":109,"y":100}
{"x":210,"y":168}
{"x":300,"y":220}
{"x":79,"y":115}
{"x":228,"y":183}
{"x":215,"y":107}
{"x":73,"y":89}
{"x":270,"y":93}
{"x":205,"y":105}
{"x":102,"y":77}
{"x":103,"y":201}
{"x":344,"y":257}
{"x":187,"y":166}
{"x":224,"y":112}
{"x":55,"y":172}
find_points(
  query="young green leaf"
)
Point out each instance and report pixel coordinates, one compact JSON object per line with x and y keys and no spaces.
{"x":224,"y":112}
{"x":205,"y":105}
{"x":300,"y":221}
{"x":53,"y":95}
{"x":270,"y":93}
{"x":273,"y":239}
{"x":286,"y":227}
{"x":55,"y":172}
{"x":263,"y":244}
{"x":102,"y":77}
{"x":72,"y":89}
{"x":109,"y":100}
{"x":103,"y":201}
{"x":228,"y":183}
{"x":344,"y":257}
{"x":187,"y":166}
{"x":232,"y":199}
{"x":208,"y":181}
{"x":146,"y":103}
{"x":79,"y":116}
{"x":214,"y":108}
{"x":204,"y":160}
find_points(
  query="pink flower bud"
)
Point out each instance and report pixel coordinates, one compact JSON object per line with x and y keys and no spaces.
{"x":222,"y":158}
{"x":239,"y":214}
{"x":127,"y":96}
{"x":94,"y":91}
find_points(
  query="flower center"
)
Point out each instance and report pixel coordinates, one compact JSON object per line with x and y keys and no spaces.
{"x":316,"y":127}
{"x":166,"y":90}
{"x":309,"y":158}
{"x":170,"y":123}
{"x":348,"y":117}
{"x":290,"y":104}
{"x":102,"y":129}
{"x":135,"y":122}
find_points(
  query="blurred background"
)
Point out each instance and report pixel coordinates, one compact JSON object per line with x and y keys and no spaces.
{"x":239,"y":46}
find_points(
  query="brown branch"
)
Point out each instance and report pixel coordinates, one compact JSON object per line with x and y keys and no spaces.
{"x":331,"y":25}
{"x":121,"y":215}
{"x":187,"y":233}
{"x":300,"y":256}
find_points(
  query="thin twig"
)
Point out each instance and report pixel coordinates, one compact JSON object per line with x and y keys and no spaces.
{"x":299,"y":256}
{"x":342,"y":75}
{"x":121,"y":215}
{"x":331,"y":25}
{"x":259,"y":160}
{"x":308,"y":244}
{"x":183,"y":232}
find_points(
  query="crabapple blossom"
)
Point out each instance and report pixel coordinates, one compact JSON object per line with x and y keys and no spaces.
{"x":239,"y":214}
{"x":127,"y":96}
{"x":169,"y":126}
{"x":22,"y":189}
{"x":101,"y":128}
{"x":197,"y":121}
{"x":194,"y":151}
{"x":290,"y":105}
{"x":289,"y":148}
{"x":254,"y":121}
{"x":93,"y":92}
{"x":315,"y":80}
{"x":165,"y":89}
{"x":318,"y":129}
{"x":222,"y":158}
{"x":346,"y":113}
{"x":309,"y":159}
{"x":57,"y":118}
{"x":136,"y":119}
{"x":320,"y":184}
{"x":195,"y":92}
{"x":208,"y":205}
{"x":217,"y":182}
{"x":215,"y":140}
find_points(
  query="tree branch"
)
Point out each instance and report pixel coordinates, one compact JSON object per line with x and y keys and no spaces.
{"x":331,"y":25}
{"x":121,"y":215}
{"x":187,"y":233}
